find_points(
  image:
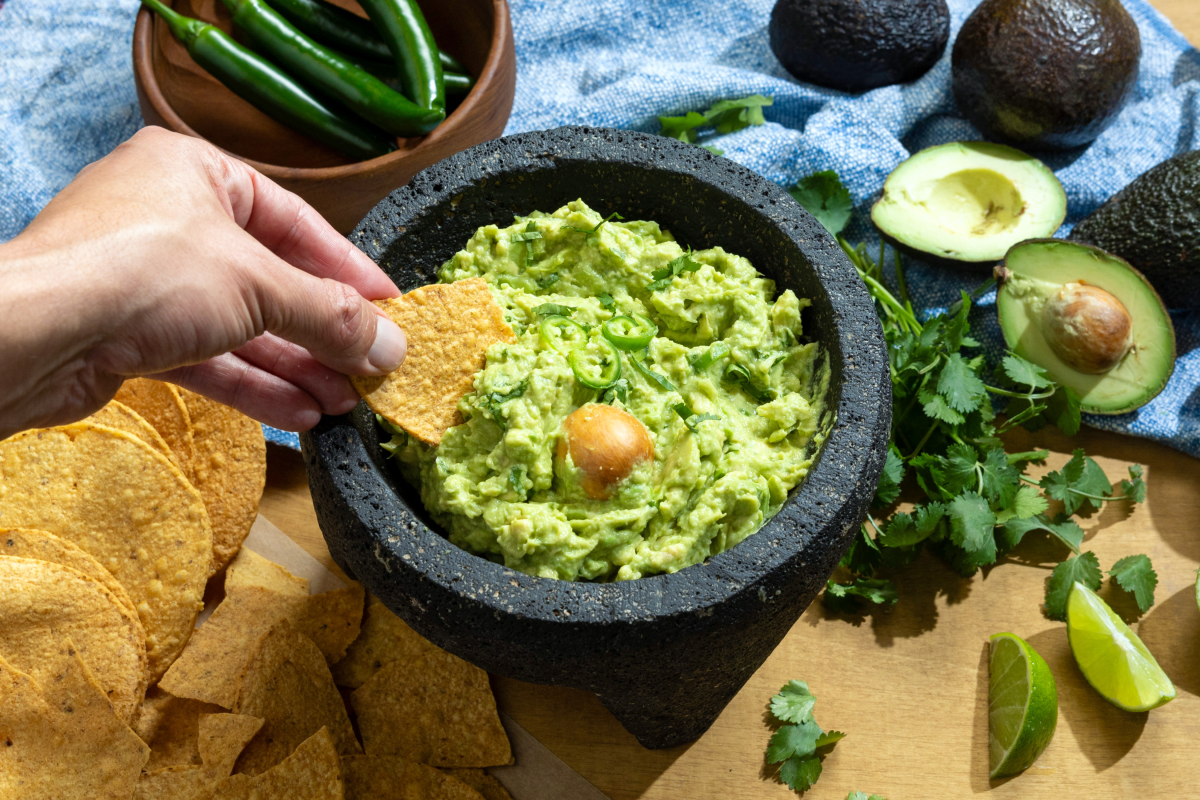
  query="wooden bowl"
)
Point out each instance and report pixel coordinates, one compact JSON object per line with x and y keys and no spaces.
{"x":177,"y":94}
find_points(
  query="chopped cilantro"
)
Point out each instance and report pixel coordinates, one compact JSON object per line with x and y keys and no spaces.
{"x":588,"y":233}
{"x":739,"y":375}
{"x":713,"y":354}
{"x":514,"y":480}
{"x":553,"y":310}
{"x":492,"y":401}
{"x":662,"y":277}
{"x":548,"y":281}
{"x":650,"y":375}
{"x":691,"y":418}
{"x":606,"y":300}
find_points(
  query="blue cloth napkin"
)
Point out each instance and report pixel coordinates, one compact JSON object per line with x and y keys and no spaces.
{"x":67,"y":98}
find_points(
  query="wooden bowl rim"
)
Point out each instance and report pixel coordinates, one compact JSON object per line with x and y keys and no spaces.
{"x":490,"y":81}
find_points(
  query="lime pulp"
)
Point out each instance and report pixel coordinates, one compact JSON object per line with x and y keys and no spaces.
{"x":1022,"y":705}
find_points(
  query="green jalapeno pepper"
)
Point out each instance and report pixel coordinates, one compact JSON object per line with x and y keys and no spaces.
{"x":596,"y":370}
{"x":562,"y":335}
{"x":403,"y":29}
{"x":629,"y":332}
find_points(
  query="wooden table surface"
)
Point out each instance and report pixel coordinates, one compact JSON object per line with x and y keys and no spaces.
{"x":909,"y":685}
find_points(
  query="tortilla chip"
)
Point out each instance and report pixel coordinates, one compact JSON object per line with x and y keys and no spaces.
{"x":432,"y":710}
{"x":384,"y":638}
{"x":332,"y":620}
{"x":211,"y":666}
{"x":395,"y":778}
{"x":312,"y":772}
{"x":223,"y":737}
{"x":259,"y":594}
{"x":45,"y":546}
{"x":160,"y":404}
{"x":123,"y":418}
{"x":287,"y":684}
{"x":230,"y":470}
{"x":480,"y":781}
{"x":178,"y":782}
{"x":449,"y":327}
{"x":251,"y":569}
{"x":64,"y":742}
{"x":43,"y":604}
{"x":170,"y":725}
{"x":127,"y":506}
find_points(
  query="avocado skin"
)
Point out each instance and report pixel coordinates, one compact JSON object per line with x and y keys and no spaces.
{"x":1046,"y":74}
{"x":856,"y":45}
{"x":1154,"y":224}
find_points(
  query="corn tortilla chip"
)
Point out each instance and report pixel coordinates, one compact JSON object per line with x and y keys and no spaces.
{"x":395,"y":778}
{"x":211,"y":666}
{"x":248,"y":568}
{"x":222,"y":739}
{"x":170,"y":725}
{"x":64,"y":741}
{"x":312,"y":772}
{"x":161,"y":405}
{"x":178,"y":782}
{"x":434,"y":711}
{"x":449,"y":327}
{"x":129,"y":508}
{"x":45,"y":546}
{"x":43,"y":603}
{"x":230,"y":470}
{"x":384,"y":638}
{"x":123,"y":418}
{"x":480,"y":781}
{"x":287,"y":684}
{"x":332,"y":620}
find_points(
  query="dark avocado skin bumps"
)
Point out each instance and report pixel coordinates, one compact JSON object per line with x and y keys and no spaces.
{"x":1048,"y":74}
{"x":1154,"y":224}
{"x":856,"y":45}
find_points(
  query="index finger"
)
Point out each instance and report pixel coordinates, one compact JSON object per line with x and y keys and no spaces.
{"x":294,"y":231}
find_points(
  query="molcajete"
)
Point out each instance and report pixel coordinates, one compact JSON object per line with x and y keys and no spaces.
{"x":666,"y":653}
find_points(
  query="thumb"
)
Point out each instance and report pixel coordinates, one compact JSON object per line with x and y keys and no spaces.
{"x":337,"y":325}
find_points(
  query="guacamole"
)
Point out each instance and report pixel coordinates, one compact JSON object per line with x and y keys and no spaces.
{"x":729,"y":402}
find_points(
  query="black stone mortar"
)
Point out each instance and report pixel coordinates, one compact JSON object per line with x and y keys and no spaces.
{"x":665,"y":654}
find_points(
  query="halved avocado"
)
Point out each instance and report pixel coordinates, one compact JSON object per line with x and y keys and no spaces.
{"x":1089,"y":319}
{"x":969,"y":202}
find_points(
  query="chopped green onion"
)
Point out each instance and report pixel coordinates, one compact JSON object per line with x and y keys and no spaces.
{"x":596,"y":370}
{"x":709,"y":357}
{"x":553,"y":310}
{"x":653,"y":377}
{"x":562,"y":335}
{"x":629,"y":333}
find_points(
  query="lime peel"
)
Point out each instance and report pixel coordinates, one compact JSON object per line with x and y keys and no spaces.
{"x":1022,"y":705}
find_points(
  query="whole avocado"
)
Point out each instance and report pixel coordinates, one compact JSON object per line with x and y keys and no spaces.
{"x":1154,"y":224}
{"x":856,"y":45}
{"x":1045,"y":73}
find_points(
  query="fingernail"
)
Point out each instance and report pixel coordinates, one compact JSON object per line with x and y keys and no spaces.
{"x":387,"y":351}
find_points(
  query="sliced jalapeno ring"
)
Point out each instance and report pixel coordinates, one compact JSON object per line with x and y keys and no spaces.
{"x":596,"y":370}
{"x":562,"y":334}
{"x":629,"y":333}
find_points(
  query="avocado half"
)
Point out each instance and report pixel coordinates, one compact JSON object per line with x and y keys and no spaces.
{"x":1093,"y":322}
{"x":968,"y":202}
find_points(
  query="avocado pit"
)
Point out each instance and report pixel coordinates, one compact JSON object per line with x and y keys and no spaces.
{"x":605,"y":444}
{"x":1088,"y":328}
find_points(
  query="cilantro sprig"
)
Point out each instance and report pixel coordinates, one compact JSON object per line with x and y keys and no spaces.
{"x":976,"y":503}
{"x":724,"y":116}
{"x":794,"y":746}
{"x":1133,"y":574}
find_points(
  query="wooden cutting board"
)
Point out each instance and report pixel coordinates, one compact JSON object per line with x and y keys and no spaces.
{"x":909,"y":685}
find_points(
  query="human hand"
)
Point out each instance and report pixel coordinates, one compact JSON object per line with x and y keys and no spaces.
{"x":169,"y":259}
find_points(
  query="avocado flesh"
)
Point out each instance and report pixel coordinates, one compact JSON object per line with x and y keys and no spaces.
{"x":1154,"y":224}
{"x":969,"y":201}
{"x":1045,"y":73}
{"x":856,"y":45}
{"x":1036,"y":271}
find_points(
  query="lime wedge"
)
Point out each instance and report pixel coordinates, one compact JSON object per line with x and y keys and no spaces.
{"x":1022,"y":706}
{"x":1112,"y":657}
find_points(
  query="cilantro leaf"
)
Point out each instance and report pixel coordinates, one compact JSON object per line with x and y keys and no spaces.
{"x":1078,"y":483}
{"x":828,"y":738}
{"x":1025,"y":373}
{"x":889,"y":483}
{"x":682,"y":128}
{"x":606,"y":300}
{"x":1135,"y":574}
{"x":1063,"y":528}
{"x":548,"y":281}
{"x":960,"y":463}
{"x":514,"y":480}
{"x":1000,"y":480}
{"x":823,"y":195}
{"x":553,"y":309}
{"x":905,"y":530}
{"x":959,"y":384}
{"x":841,"y":596}
{"x":690,"y":418}
{"x":650,"y":375}
{"x":793,"y":740}
{"x":1134,"y":489}
{"x":936,"y":407}
{"x":800,"y":772}
{"x":730,"y":116}
{"x":972,"y":524}
{"x":663,"y":277}
{"x":793,"y":703}
{"x":1084,"y":568}
{"x":1027,"y":502}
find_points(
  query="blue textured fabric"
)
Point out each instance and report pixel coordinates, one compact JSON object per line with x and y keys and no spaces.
{"x":67,"y":97}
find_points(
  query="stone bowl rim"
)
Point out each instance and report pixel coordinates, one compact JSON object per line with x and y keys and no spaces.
{"x":581,"y":603}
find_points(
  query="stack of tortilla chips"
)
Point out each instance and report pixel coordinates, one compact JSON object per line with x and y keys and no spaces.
{"x":110,"y":530}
